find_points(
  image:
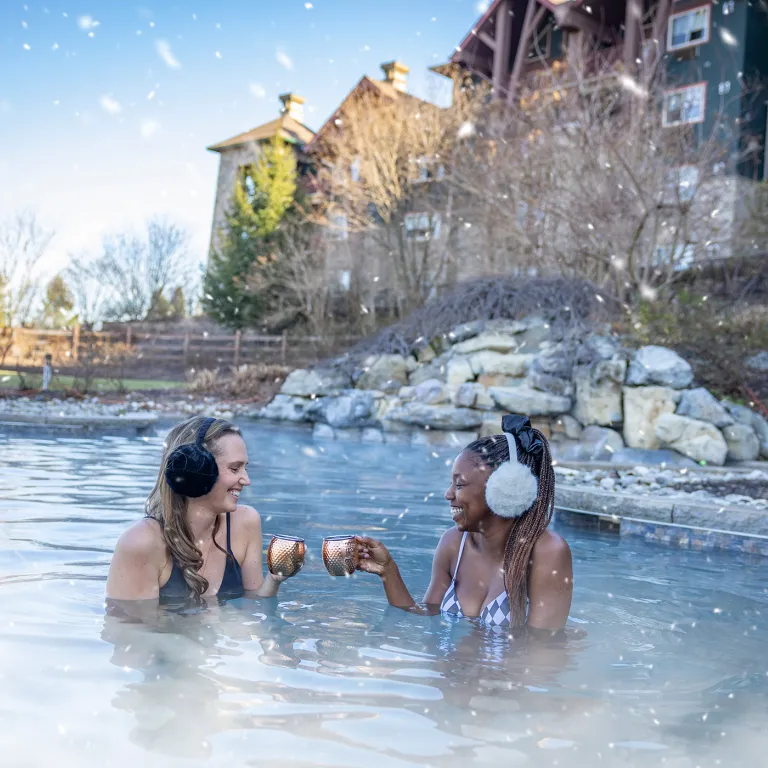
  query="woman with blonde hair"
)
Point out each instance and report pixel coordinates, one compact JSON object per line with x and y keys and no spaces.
{"x":195,"y":540}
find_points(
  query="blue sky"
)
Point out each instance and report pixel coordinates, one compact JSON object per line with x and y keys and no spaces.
{"x":106,"y":107}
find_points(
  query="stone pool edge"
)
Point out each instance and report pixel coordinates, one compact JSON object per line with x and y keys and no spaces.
{"x":672,"y":522}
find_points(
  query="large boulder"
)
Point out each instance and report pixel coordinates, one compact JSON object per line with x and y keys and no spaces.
{"x":348,"y":409}
{"x":701,"y":404}
{"x":431,"y":391}
{"x":314,"y":383}
{"x":741,"y":414}
{"x":545,"y":382}
{"x":497,"y":364}
{"x":529,"y":401}
{"x":758,"y":362}
{"x":598,"y":392}
{"x":642,"y":408}
{"x":556,"y":360}
{"x":496,"y":342}
{"x":760,"y":425}
{"x":661,"y":366}
{"x":466,"y":331}
{"x":385,"y":372}
{"x":286,"y":408}
{"x":567,"y":426}
{"x":473,"y":395}
{"x":457,"y":371}
{"x":699,"y":440}
{"x":743,"y":443}
{"x":594,"y":444}
{"x":436,"y":416}
{"x":435,"y":369}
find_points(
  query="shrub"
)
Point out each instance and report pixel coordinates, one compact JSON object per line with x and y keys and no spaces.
{"x":204,"y":381}
{"x":250,"y":380}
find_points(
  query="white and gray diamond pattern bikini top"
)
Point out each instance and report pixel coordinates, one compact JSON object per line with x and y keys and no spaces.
{"x":496,"y":613}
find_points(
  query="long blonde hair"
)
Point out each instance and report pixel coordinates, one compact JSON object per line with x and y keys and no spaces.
{"x":169,"y":508}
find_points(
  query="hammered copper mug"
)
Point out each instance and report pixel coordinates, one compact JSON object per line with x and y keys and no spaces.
{"x":340,"y":555}
{"x":285,"y":556}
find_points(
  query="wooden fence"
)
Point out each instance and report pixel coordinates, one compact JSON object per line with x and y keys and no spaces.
{"x":178,"y":352}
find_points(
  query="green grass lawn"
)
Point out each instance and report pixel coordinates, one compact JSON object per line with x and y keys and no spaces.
{"x":10,"y":380}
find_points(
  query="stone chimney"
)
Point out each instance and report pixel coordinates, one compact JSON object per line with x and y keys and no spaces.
{"x":293,"y":106}
{"x":396,"y":74}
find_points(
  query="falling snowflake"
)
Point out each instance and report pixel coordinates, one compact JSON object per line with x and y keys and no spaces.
{"x":284,"y":60}
{"x":728,"y":37}
{"x":26,"y":47}
{"x":218,"y":54}
{"x":87,"y":22}
{"x":149,"y":128}
{"x":309,"y":6}
{"x":164,"y":52}
{"x":110,"y":104}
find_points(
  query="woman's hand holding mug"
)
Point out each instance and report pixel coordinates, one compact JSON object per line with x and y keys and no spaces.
{"x":373,"y":556}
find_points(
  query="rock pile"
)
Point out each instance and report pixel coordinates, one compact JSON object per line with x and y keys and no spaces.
{"x":592,"y":398}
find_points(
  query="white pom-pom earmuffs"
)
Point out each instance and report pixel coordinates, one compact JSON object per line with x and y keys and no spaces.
{"x":512,"y":489}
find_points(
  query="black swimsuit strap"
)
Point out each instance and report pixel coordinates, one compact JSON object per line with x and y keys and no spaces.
{"x":229,"y":540}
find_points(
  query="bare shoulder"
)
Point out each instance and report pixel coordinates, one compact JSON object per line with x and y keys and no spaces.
{"x":448,"y":546}
{"x":552,"y":548}
{"x":247,"y":519}
{"x":143,"y":540}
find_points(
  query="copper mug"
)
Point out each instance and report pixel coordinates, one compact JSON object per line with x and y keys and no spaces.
{"x":285,"y":556}
{"x":340,"y":555}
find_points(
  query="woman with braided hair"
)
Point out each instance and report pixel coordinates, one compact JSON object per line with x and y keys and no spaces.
{"x":500,"y":563}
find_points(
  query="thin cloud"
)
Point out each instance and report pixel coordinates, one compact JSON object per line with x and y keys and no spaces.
{"x":284,"y":60}
{"x":110,"y":104}
{"x":149,"y":128}
{"x":166,"y":54}
{"x":258,"y":90}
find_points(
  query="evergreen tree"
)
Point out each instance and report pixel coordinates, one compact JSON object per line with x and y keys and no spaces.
{"x":58,"y":304}
{"x":178,"y":304}
{"x":263,"y":194}
{"x":160,"y":308}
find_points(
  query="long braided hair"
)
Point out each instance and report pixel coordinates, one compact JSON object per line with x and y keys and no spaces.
{"x":493,"y":452}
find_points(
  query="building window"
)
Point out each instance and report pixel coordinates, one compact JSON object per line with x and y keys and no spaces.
{"x":422,"y":227}
{"x":679,"y":258}
{"x":728,"y":7}
{"x":338,"y":227}
{"x":424,"y":169}
{"x":688,"y":28}
{"x":724,"y":87}
{"x":681,"y":183}
{"x":685,"y":105}
{"x":345,"y":279}
{"x":354,"y":170}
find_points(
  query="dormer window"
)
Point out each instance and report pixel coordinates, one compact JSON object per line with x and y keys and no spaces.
{"x":689,"y":28}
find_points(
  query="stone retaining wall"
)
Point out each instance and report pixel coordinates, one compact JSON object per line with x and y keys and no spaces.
{"x":593,"y":399}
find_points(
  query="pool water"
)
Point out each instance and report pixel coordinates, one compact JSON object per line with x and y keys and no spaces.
{"x":665,"y":662}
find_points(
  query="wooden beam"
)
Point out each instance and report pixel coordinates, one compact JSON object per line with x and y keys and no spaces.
{"x":532,"y":20}
{"x":663,"y":11}
{"x":632,"y":35}
{"x":485,"y":38}
{"x":575,"y":18}
{"x":501,"y":50}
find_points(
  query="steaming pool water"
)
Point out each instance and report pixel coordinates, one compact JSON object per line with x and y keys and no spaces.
{"x":665,"y":662}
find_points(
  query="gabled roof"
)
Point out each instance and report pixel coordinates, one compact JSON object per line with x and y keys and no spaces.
{"x":285,"y":126}
{"x":365,"y":84}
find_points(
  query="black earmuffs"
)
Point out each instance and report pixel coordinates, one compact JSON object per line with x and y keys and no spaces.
{"x":191,"y":470}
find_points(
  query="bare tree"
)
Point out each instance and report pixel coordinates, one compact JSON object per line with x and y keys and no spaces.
{"x":23,"y":243}
{"x":593,"y":176}
{"x":127,"y":280}
{"x":382,"y":180}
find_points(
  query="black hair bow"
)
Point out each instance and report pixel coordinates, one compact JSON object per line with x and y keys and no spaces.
{"x":525,"y":437}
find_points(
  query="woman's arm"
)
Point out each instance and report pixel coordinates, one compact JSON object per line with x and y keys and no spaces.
{"x":550,"y":586}
{"x":139,"y":558}
{"x":252,"y":566}
{"x":375,"y":558}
